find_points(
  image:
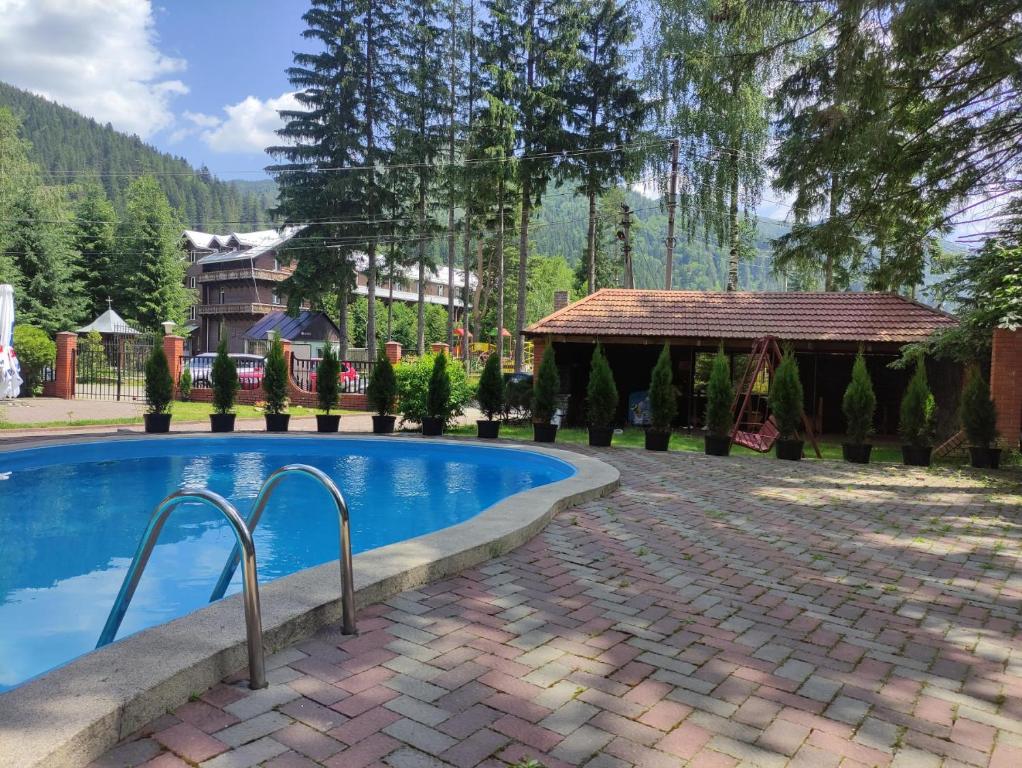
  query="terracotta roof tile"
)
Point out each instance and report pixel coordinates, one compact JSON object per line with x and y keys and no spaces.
{"x":865,"y":317}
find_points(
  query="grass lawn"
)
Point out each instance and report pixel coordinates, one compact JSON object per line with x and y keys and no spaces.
{"x":182,"y":412}
{"x":635,"y":438}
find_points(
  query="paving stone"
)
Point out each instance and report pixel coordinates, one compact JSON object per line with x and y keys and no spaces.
{"x":248,"y":755}
{"x":258,"y":702}
{"x":419,"y":736}
{"x":581,"y":744}
{"x":250,"y":730}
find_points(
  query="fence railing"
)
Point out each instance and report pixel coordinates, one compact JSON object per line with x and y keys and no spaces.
{"x":353,"y":377}
{"x":250,"y":372}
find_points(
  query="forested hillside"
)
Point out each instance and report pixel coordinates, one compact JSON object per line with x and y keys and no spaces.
{"x":75,"y":150}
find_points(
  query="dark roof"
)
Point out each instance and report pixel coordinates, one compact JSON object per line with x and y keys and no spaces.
{"x":288,"y":327}
{"x":854,"y":317}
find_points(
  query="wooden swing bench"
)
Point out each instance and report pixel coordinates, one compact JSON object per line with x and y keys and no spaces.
{"x":765,"y":356}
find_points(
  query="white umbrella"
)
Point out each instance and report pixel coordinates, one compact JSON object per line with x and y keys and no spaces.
{"x":10,"y":371}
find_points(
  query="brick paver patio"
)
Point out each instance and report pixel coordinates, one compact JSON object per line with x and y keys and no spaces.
{"x":710,"y":613}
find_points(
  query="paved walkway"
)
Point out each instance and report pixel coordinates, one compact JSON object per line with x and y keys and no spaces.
{"x":711,"y":613}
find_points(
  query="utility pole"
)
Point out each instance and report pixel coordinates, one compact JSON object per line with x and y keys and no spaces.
{"x":624,"y":236}
{"x":672,"y":204}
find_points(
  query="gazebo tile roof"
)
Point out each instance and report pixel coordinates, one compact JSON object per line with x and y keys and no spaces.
{"x":855,"y":317}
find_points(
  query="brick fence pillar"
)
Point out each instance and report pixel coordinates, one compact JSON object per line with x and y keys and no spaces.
{"x":174,"y":349}
{"x":439,"y":346}
{"x":538,"y":345}
{"x":64,"y":367}
{"x":393,"y":352}
{"x":1006,"y":383}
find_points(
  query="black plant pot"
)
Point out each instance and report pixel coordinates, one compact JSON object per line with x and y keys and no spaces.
{"x":157,"y":423}
{"x":789,"y":450}
{"x":383,"y":425}
{"x":856,"y":453}
{"x":916,"y":456}
{"x":487,"y":428}
{"x":221,"y":422}
{"x":277,"y":422}
{"x":601,"y":437}
{"x":544,"y":433}
{"x":432,"y":427}
{"x":715,"y":445}
{"x":656,"y":440}
{"x":328,"y":422}
{"x":981,"y":458}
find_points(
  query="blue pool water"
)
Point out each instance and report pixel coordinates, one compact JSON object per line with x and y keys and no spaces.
{"x":71,"y":517}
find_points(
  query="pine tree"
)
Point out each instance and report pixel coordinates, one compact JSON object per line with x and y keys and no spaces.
{"x":95,"y":240}
{"x":605,"y":109}
{"x":150,"y":288}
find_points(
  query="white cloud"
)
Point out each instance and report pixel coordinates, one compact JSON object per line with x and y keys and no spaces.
{"x":250,"y":124}
{"x":99,"y":57}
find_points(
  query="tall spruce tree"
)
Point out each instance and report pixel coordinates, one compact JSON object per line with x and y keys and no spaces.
{"x":347,"y":90}
{"x":150,"y":289}
{"x":606,"y":110}
{"x":95,"y":240}
{"x":713,"y":61}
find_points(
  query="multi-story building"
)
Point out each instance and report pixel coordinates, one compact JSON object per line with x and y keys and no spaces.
{"x":236,"y":280}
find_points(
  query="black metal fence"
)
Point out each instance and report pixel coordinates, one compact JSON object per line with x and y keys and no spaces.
{"x":353,"y":377}
{"x":250,"y":370}
{"x":112,"y":367}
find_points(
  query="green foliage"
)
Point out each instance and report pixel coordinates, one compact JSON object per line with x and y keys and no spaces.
{"x":601,"y":392}
{"x":95,"y":239}
{"x":66,"y":144}
{"x":381,"y":392}
{"x":786,"y":397}
{"x":720,"y":396}
{"x":518,"y":395}
{"x":159,"y":386}
{"x":275,"y":378}
{"x":546,"y":387}
{"x":224,"y":375}
{"x":438,"y":393}
{"x":413,"y":385}
{"x":918,"y":409}
{"x":328,"y":386}
{"x":36,"y":351}
{"x":150,"y":288}
{"x":859,"y":403}
{"x":184,"y":385}
{"x":90,"y":347}
{"x":978,"y":412}
{"x":663,"y":401}
{"x":490,"y":394}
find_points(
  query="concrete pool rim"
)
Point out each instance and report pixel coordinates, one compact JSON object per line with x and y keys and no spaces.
{"x":72,"y":714}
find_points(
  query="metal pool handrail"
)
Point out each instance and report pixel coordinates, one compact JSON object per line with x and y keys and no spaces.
{"x":250,"y":584}
{"x":344,"y":528}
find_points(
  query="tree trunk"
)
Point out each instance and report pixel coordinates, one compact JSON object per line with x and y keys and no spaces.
{"x":500,"y":267}
{"x":420,"y":340}
{"x":451,"y":136}
{"x":390,"y":296}
{"x":523,"y":279}
{"x":466,"y":289}
{"x":342,"y":316}
{"x":733,"y":253}
{"x":371,"y":298}
{"x":591,"y":243}
{"x":370,"y":191}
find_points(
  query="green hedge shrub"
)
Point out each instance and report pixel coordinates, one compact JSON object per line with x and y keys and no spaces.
{"x":544,"y":391}
{"x":859,"y":403}
{"x":413,"y":377}
{"x":601,"y":392}
{"x":663,"y":400}
{"x":720,"y":396}
{"x":786,"y":397}
{"x":490,"y":394}
{"x":978,"y":412}
{"x":159,"y":386}
{"x":224,"y":378}
{"x":918,"y":410}
{"x":381,"y":392}
{"x":328,"y":385}
{"x":275,"y":376}
{"x":36,"y":351}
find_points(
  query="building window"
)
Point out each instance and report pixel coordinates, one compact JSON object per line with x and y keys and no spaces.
{"x":276,"y":265}
{"x":191,"y":281}
{"x":191,"y":312}
{"x":276,"y":298}
{"x":223,"y":296}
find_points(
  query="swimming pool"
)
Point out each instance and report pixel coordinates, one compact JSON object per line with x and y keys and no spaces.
{"x":71,"y":516}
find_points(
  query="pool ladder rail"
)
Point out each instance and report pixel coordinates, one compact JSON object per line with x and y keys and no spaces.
{"x":243,"y":552}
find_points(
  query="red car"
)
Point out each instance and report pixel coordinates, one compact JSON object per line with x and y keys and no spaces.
{"x":348,"y":377}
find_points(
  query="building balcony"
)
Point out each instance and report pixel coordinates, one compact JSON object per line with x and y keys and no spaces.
{"x":209,"y":310}
{"x":226,"y":275}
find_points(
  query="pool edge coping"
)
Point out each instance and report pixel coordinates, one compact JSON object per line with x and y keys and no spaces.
{"x":71,"y":715}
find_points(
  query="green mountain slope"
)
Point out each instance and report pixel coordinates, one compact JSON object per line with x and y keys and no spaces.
{"x":76,"y":150}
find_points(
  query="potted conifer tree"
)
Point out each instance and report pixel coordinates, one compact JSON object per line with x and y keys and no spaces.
{"x":381,"y":393}
{"x":159,"y":391}
{"x":786,"y":406}
{"x":544,"y":398}
{"x":328,"y":390}
{"x":720,"y":396}
{"x":601,"y":399}
{"x":225,"y":382}
{"x":915,"y":423}
{"x":438,"y":399}
{"x":663,"y":403}
{"x":490,"y":396}
{"x":979,"y":420}
{"x":859,"y":405}
{"x":275,"y":388}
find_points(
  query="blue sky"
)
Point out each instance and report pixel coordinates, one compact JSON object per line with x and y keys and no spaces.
{"x":198,"y":78}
